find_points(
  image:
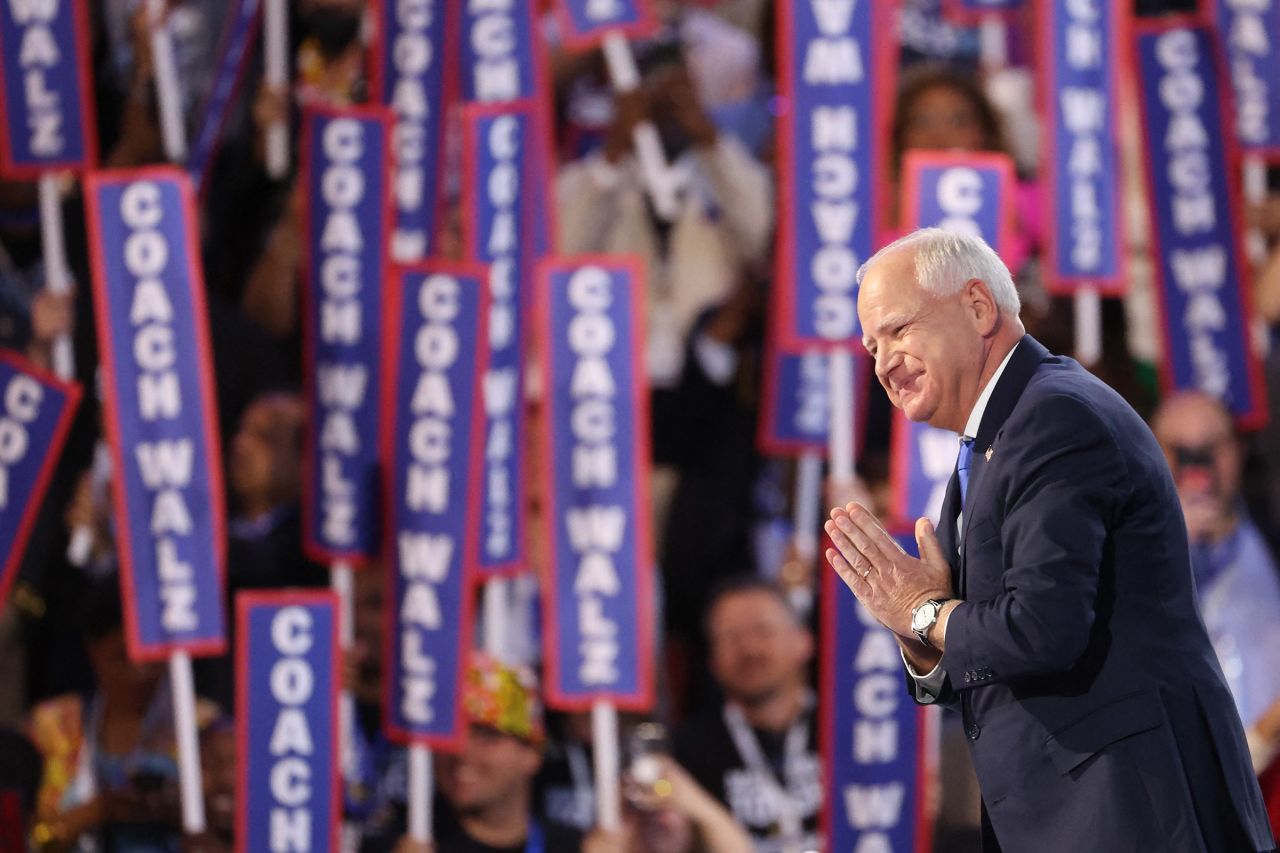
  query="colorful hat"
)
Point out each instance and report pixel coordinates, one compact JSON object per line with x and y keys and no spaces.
{"x":504,"y":698}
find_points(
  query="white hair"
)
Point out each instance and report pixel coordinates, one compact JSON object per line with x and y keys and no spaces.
{"x":946,"y":261}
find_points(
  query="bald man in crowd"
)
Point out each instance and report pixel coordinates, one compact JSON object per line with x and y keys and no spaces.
{"x":1237,"y":582}
{"x":1054,"y":608}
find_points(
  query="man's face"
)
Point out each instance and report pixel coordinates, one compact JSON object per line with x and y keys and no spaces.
{"x":928,"y":350}
{"x":943,"y":117}
{"x":757,"y":648}
{"x":1200,"y":445}
{"x":252,"y":453}
{"x":491,"y":768}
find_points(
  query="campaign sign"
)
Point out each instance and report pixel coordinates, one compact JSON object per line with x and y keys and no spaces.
{"x":923,"y":458}
{"x":161,"y":422}
{"x":234,"y":52}
{"x":436,"y":354}
{"x":599,"y":597}
{"x":873,"y":736}
{"x":1081,"y":63}
{"x":583,"y":23}
{"x":1195,"y":212}
{"x":288,"y":676}
{"x":967,"y":193}
{"x":795,"y":411}
{"x":346,"y":170}
{"x":972,"y":12}
{"x":499,"y":62}
{"x":499,"y":148}
{"x":1250,"y":34}
{"x":836,"y":85}
{"x":411,"y":75}
{"x":46,"y":94}
{"x":35,"y":413}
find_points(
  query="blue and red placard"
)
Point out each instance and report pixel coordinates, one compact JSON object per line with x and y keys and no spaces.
{"x":874,"y":738}
{"x":346,"y":174}
{"x":503,"y":59}
{"x":499,"y":51}
{"x":500,"y":148}
{"x":159,"y":407}
{"x":837,"y":74}
{"x":795,"y":404}
{"x":922,"y":458}
{"x":1197,"y":234}
{"x":35,"y":414}
{"x":584,"y":23}
{"x":235,"y":50}
{"x":412,"y":72}
{"x":1083,"y":53}
{"x":288,"y":675}
{"x":966,"y":192}
{"x":973,"y":12}
{"x":436,"y":354}
{"x":46,"y":94}
{"x":598,"y":605}
{"x":1250,"y":35}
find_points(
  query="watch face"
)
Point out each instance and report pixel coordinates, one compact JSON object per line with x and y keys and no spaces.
{"x":923,"y":616}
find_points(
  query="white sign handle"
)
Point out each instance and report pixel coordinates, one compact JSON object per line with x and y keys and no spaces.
{"x":497,"y":619}
{"x":608,"y":765}
{"x":168,"y":91}
{"x":842,"y":415}
{"x":190,"y":784}
{"x":653,"y":162}
{"x":1088,"y":343}
{"x":421,"y":790}
{"x":57,"y":280}
{"x":276,"y":62}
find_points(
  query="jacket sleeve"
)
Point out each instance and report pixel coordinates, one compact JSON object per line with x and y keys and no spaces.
{"x":1069,"y":481}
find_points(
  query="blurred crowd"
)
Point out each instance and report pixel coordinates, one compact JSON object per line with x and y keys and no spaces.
{"x":728,"y":760}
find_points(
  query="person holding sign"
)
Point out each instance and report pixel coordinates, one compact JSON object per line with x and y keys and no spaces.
{"x":488,"y":786}
{"x":725,"y":213}
{"x":1054,"y":607}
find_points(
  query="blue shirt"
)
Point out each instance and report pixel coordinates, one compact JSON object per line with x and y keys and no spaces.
{"x":1238,"y":590}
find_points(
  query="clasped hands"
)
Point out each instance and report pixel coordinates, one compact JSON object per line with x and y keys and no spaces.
{"x":888,"y":581}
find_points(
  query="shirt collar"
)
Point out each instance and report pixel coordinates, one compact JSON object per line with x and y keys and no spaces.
{"x":980,"y":407}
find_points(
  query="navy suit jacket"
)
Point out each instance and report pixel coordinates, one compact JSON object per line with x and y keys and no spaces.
{"x":1096,"y":712}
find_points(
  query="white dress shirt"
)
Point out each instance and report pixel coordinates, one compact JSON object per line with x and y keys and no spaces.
{"x":929,"y":687}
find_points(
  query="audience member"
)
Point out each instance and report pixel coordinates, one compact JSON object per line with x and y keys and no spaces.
{"x":670,"y":813}
{"x":757,"y":753}
{"x":724,"y":215}
{"x":1236,"y":574}
{"x":487,"y":788}
{"x":110,"y":769}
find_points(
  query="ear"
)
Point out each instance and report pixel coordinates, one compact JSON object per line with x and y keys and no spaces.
{"x":980,"y":306}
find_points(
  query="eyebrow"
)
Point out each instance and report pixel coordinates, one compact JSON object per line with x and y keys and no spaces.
{"x":890,"y":322}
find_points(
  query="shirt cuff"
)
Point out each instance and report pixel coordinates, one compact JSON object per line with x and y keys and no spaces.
{"x":716,"y":358}
{"x":927,"y":687}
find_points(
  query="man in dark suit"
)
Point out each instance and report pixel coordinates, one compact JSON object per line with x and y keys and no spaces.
{"x":1054,"y":608}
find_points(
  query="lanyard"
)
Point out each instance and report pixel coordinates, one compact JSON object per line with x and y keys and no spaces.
{"x":748,"y":746}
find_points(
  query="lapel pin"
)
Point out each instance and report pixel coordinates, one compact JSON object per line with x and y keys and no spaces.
{"x":987,"y":455}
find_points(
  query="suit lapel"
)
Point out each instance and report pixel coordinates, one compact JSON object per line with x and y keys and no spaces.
{"x":1022,"y":366}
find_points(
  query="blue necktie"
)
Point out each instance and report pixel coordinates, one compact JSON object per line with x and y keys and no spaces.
{"x":962,"y":466}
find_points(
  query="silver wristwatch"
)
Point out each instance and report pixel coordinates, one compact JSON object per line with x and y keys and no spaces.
{"x":924,"y":617}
